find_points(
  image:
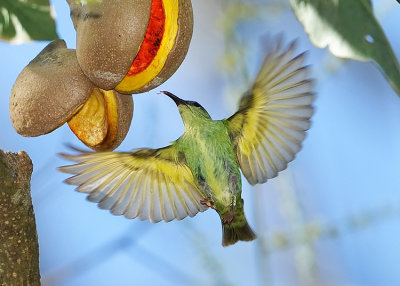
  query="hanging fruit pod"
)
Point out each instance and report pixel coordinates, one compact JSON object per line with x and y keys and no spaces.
{"x":52,"y":90}
{"x":132,"y":45}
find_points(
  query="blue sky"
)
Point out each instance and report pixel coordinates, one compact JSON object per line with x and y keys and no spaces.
{"x":346,"y":176}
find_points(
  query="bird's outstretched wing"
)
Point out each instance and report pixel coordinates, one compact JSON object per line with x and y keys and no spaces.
{"x":273,"y":116}
{"x":150,"y":184}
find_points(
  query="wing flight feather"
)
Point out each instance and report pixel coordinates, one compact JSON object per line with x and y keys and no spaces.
{"x":269,"y":127}
{"x":150,"y":184}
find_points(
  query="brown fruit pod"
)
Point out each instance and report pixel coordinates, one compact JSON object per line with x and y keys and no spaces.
{"x":109,"y":35}
{"x":53,"y":90}
{"x":133,"y":45}
{"x":48,"y":91}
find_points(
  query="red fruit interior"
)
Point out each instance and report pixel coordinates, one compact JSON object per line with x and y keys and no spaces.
{"x":152,"y":39}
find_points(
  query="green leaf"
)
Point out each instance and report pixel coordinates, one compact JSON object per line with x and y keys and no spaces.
{"x":351,"y":30}
{"x":26,"y":20}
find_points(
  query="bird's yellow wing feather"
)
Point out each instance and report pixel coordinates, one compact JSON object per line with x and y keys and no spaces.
{"x":150,"y":184}
{"x":273,"y":116}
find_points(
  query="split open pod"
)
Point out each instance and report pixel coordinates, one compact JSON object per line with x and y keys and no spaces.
{"x":132,"y":46}
{"x":52,"y":90}
{"x":123,"y":47}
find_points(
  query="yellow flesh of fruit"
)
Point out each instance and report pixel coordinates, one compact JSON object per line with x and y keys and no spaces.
{"x":96,"y":123}
{"x":131,"y":83}
{"x":112,"y":119}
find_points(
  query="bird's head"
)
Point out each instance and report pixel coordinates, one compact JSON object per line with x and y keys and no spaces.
{"x":191,"y":111}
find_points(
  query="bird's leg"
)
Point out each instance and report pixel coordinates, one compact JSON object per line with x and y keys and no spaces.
{"x":227,"y":219}
{"x":207,"y":202}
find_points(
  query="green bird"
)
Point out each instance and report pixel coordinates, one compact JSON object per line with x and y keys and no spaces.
{"x":200,"y":170}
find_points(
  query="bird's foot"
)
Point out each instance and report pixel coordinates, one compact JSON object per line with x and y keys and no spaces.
{"x":227,"y":219}
{"x":207,"y":202}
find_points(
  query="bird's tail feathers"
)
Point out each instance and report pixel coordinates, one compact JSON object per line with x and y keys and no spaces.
{"x":232,"y":233}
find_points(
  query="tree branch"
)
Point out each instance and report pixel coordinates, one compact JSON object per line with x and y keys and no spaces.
{"x":19,"y":248}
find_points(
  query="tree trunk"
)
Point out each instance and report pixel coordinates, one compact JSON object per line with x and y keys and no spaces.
{"x":19,"y":248}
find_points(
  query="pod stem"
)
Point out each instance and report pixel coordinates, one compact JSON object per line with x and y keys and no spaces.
{"x":76,"y":7}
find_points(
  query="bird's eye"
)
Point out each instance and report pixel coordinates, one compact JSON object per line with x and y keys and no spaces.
{"x":196,"y":104}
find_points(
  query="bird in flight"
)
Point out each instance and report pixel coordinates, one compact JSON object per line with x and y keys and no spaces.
{"x":200,"y":170}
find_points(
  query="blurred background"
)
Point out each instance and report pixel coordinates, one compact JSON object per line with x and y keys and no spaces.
{"x":331,"y":218}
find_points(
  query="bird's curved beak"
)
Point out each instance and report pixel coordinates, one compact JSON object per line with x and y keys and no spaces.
{"x":176,"y":99}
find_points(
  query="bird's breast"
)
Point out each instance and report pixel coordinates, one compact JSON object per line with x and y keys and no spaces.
{"x":213,"y":163}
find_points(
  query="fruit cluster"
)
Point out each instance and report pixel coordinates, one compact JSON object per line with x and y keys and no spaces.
{"x":123,"y":47}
